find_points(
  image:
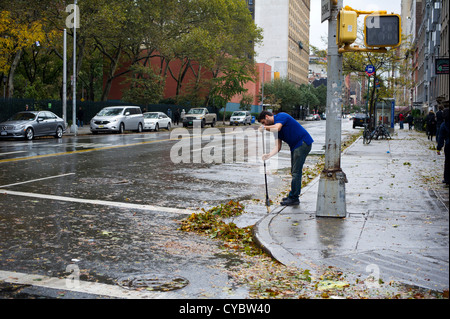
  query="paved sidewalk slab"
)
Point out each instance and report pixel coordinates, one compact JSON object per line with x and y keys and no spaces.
{"x":397,"y":223}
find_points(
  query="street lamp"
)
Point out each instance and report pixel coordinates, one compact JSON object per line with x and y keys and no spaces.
{"x":263,"y":80}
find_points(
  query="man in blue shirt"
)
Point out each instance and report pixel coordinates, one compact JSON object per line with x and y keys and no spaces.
{"x":299,"y":141}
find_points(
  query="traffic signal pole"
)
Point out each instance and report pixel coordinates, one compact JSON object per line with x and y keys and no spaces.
{"x":331,"y":195}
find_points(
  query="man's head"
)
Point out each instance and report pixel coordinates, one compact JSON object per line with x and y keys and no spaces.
{"x":266,"y":118}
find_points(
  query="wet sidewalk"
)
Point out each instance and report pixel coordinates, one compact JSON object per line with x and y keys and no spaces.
{"x":397,"y":221}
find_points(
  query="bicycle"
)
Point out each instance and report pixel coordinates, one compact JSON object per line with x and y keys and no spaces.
{"x":379,"y":131}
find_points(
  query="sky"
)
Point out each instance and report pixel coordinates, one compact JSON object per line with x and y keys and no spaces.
{"x":319,"y":30}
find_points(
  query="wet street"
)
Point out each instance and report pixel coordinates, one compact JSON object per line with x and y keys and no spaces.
{"x":109,"y":206}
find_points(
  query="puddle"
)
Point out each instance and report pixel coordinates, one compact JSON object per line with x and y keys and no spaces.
{"x":153,"y":282}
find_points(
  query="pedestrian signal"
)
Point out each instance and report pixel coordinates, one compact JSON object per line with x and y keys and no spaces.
{"x":346,"y":27}
{"x":382,"y":30}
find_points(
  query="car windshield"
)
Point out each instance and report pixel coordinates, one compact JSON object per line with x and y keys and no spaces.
{"x":151,"y":115}
{"x":23,"y":117}
{"x":195,"y":111}
{"x":238,"y":114}
{"x":110,"y":112}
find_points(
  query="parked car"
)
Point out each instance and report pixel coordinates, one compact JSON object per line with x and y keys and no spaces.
{"x":156,"y":120}
{"x":241,"y":117}
{"x":31,"y":124}
{"x":360,"y":119}
{"x":312,"y":117}
{"x":199,"y":113}
{"x":118,"y":119}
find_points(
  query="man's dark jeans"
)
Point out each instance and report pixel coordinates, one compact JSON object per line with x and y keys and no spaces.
{"x":298,"y":157}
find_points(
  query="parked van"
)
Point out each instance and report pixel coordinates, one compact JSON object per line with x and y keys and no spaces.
{"x":241,"y":117}
{"x":118,"y":119}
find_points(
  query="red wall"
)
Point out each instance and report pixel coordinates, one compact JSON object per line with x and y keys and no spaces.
{"x":119,"y":84}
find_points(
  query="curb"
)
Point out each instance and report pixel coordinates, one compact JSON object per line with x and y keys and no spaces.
{"x":263,"y":238}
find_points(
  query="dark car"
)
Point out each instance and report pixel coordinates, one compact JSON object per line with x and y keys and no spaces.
{"x":29,"y":124}
{"x":360,"y":119}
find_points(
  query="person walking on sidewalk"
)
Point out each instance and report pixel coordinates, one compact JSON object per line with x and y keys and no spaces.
{"x":444,"y":139}
{"x":431,"y":125}
{"x":300,"y":142}
{"x":401,"y":119}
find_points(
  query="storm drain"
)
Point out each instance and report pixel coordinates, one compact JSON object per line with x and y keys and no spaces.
{"x":153,"y":282}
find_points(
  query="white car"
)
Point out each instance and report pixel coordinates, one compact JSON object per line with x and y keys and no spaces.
{"x":156,"y":120}
{"x":241,"y":117}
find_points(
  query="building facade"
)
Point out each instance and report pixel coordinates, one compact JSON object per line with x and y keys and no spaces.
{"x":427,"y":25}
{"x":285,"y":25}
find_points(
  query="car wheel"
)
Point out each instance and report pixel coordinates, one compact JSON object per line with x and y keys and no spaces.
{"x":59,"y":132}
{"x":29,"y":134}
{"x":121,"y":128}
{"x":213,"y":123}
{"x":168,"y":126}
{"x":156,"y":127}
{"x":139,"y":129}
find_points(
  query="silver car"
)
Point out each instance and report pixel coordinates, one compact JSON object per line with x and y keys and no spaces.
{"x":118,"y":119}
{"x":241,"y":117}
{"x":30,"y":124}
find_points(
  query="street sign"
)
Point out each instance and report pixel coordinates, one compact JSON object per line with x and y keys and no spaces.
{"x":370,"y":70}
{"x":326,"y":10}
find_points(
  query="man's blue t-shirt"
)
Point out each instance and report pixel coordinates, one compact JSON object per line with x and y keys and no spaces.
{"x":292,"y":132}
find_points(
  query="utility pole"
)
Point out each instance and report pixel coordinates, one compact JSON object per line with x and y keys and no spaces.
{"x":331,"y":196}
{"x":64,"y":94}
{"x":74,"y":100}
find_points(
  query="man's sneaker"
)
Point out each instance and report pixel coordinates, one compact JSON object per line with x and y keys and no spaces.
{"x":290,"y":202}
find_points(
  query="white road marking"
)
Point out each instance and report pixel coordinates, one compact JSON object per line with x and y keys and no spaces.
{"x":78,"y":286}
{"x":9,"y":153}
{"x":36,"y":180}
{"x":101,"y":202}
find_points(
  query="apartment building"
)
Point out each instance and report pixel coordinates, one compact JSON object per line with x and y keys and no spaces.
{"x":428,"y":27}
{"x":285,"y":25}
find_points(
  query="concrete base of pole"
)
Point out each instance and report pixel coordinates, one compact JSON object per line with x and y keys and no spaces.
{"x":331,"y":195}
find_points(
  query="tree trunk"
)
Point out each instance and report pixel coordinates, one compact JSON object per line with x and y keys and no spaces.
{"x":12,"y":71}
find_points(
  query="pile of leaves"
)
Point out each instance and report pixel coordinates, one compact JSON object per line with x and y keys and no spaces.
{"x":211,"y":223}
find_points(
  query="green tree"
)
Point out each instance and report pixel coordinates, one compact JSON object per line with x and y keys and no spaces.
{"x":232,"y":81}
{"x":284,"y":93}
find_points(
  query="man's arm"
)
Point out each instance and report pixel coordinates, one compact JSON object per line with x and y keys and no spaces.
{"x":274,"y":151}
{"x":276,"y":127}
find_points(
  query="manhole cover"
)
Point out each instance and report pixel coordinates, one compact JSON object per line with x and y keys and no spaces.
{"x":153,"y":282}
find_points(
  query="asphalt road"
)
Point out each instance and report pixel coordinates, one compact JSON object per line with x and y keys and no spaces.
{"x":109,"y":205}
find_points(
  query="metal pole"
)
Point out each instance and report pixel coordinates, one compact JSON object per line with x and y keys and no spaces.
{"x":74,"y":100}
{"x":64,"y":94}
{"x":331,"y":195}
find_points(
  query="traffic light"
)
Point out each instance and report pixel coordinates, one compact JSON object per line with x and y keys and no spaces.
{"x":382,"y":30}
{"x":346,"y":27}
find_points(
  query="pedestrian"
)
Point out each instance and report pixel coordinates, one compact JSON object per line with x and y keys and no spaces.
{"x":177,"y":117}
{"x":26,"y":107}
{"x":288,"y":130}
{"x":401,"y":118}
{"x":410,"y":120}
{"x":80,"y":117}
{"x":444,"y":142}
{"x":431,"y":125}
{"x":439,"y":120}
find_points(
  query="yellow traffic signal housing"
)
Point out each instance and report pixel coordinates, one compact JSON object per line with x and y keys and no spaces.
{"x":346,"y":27}
{"x":382,"y":30}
